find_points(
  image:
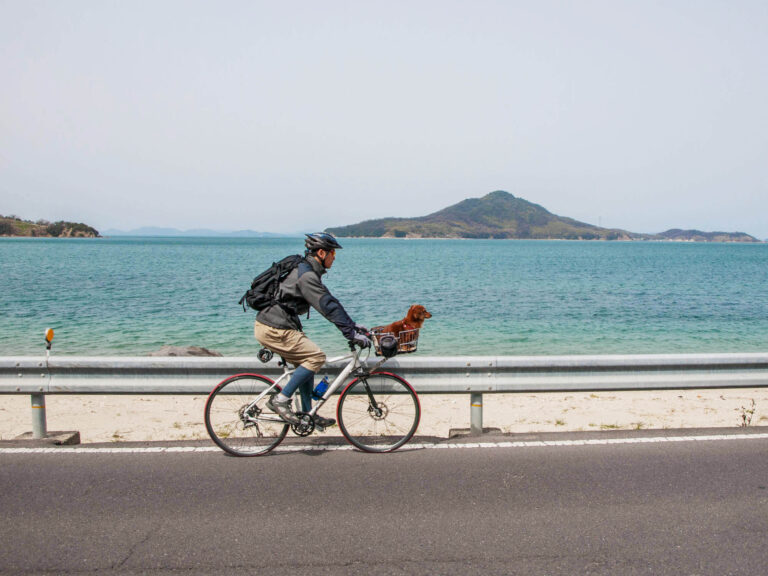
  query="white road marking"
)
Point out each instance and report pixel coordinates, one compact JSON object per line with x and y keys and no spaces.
{"x":412,"y":446}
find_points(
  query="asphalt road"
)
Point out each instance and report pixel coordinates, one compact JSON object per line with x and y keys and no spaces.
{"x":668,"y":508}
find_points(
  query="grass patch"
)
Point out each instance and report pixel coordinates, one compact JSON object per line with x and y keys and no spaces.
{"x":747,"y":414}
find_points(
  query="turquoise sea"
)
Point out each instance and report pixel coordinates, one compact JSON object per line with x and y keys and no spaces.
{"x":130,"y":296}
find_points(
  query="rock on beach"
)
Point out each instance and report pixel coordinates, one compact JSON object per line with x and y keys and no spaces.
{"x":183,"y":351}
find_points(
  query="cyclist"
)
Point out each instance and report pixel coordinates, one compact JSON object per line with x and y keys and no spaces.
{"x":278,"y":327}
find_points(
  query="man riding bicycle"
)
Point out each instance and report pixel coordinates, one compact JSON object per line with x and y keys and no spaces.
{"x":278,"y":326}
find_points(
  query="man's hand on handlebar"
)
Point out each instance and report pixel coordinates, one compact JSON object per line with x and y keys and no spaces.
{"x":361,"y":339}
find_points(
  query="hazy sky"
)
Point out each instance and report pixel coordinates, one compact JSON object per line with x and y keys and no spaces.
{"x":293,"y":116}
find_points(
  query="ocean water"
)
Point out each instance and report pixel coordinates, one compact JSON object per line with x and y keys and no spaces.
{"x":130,"y":296}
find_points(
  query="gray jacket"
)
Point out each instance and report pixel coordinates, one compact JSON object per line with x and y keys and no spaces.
{"x":301,"y":289}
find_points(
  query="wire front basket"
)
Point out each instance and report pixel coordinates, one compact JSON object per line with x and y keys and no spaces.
{"x":407,"y":340}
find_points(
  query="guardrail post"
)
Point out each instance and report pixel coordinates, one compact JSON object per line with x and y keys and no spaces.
{"x":476,"y":414}
{"x":39,"y":426}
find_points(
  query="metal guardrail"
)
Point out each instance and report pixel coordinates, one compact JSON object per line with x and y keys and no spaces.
{"x":475,"y":375}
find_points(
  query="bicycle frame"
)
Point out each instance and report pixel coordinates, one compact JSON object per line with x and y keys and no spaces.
{"x":352,"y":365}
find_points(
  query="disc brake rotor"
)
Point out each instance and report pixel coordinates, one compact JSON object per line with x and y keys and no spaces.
{"x":380,"y":413}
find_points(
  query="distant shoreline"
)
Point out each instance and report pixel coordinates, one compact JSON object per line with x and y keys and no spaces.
{"x":53,"y":237}
{"x":405,"y":239}
{"x":591,"y":240}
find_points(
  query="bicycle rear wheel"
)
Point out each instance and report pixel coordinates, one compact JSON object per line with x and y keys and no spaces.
{"x":379,"y":412}
{"x":238,"y":426}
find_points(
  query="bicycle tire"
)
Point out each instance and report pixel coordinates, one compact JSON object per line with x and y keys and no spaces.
{"x":225,"y":422}
{"x":386,"y":426}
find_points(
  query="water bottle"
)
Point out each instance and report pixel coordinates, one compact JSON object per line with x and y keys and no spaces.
{"x":320,"y":389}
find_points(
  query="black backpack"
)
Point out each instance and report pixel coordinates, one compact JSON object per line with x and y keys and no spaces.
{"x":263,"y":290}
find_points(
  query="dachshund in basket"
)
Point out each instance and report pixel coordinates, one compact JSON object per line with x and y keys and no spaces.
{"x":413,"y":320}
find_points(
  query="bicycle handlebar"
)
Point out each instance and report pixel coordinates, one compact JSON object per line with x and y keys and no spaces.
{"x":368,"y":334}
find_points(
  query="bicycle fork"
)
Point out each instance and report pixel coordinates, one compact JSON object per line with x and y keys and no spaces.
{"x":373,"y":406}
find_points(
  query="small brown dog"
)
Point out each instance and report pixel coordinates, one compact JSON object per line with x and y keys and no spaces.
{"x":413,"y":320}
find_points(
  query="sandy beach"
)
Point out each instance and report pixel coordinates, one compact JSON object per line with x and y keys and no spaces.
{"x":150,"y":418}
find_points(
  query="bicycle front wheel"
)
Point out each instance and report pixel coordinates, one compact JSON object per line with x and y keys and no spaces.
{"x":237,"y":418}
{"x":379,"y":412}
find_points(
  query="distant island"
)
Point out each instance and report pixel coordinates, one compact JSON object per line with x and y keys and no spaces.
{"x":14,"y":226}
{"x":197,"y":233}
{"x":502,"y":215}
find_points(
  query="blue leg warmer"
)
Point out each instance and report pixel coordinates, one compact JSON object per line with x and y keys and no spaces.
{"x":305,"y":389}
{"x":304,"y":379}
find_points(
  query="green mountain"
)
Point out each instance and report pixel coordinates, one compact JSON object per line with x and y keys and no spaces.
{"x":501,"y":215}
{"x":13,"y":226}
{"x":678,"y":235}
{"x":496,"y":215}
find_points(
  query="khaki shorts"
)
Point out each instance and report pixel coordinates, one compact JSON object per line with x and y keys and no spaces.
{"x":293,"y":345}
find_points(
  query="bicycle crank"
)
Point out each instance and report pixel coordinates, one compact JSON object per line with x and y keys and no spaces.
{"x":306,"y":425}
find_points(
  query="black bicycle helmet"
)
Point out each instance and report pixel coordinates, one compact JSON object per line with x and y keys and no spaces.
{"x":321,"y":241}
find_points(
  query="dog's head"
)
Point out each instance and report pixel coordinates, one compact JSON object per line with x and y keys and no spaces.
{"x":417,"y":314}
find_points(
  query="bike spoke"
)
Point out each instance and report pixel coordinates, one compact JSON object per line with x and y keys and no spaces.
{"x":381,"y":416}
{"x":233,"y":416}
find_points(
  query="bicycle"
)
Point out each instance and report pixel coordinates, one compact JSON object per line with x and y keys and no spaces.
{"x":377,"y":411}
